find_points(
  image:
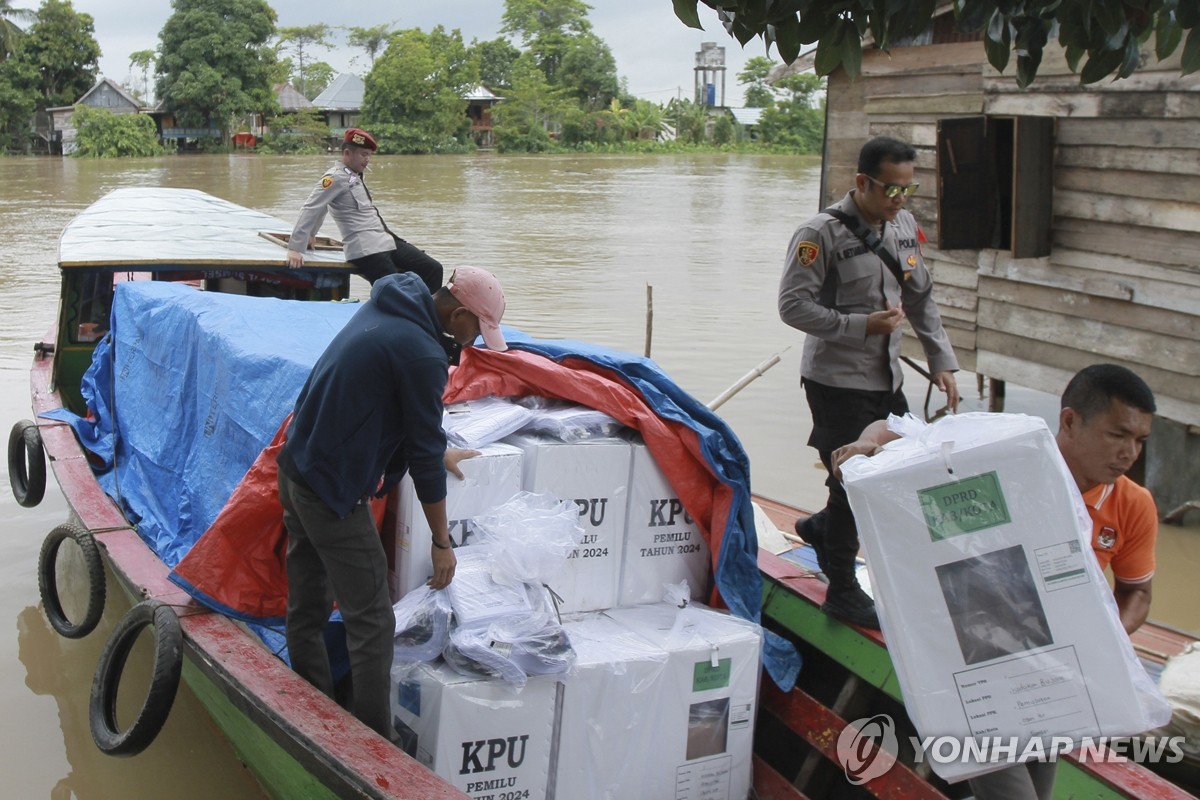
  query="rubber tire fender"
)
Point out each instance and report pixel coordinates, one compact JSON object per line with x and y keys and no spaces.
{"x":26,"y":464}
{"x":48,"y":580}
{"x":164,"y":679}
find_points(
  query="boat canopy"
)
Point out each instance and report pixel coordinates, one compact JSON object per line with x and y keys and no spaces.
{"x":154,"y":228}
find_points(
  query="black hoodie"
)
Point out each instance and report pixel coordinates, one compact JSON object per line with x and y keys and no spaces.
{"x":372,"y":407}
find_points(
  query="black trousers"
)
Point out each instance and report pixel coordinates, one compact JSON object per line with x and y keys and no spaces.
{"x":405,"y":258}
{"x":839,"y":416}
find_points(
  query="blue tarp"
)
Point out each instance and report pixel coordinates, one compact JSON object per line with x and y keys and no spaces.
{"x":199,"y":382}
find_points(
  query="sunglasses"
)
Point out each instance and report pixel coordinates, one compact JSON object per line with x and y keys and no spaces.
{"x":893,"y":190}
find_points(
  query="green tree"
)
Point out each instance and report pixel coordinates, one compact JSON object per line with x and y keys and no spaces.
{"x":689,"y":120}
{"x":299,"y":41}
{"x":62,"y":48}
{"x":1103,"y":35}
{"x":10,"y":32}
{"x":18,"y":99}
{"x":644,"y":121}
{"x":301,"y":133}
{"x":214,"y":63}
{"x":100,"y":133}
{"x":496,"y":58}
{"x":417,"y":86}
{"x":754,"y":77}
{"x":588,"y":71}
{"x":320,"y":75}
{"x":544,"y":27}
{"x":531,"y":110}
{"x":372,"y":40}
{"x":142,"y":60}
{"x":793,"y":122}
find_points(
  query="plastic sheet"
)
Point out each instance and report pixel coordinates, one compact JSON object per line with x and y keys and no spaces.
{"x":568,"y":422}
{"x":422,"y":625}
{"x":480,"y":422}
{"x":532,"y":536}
{"x":979,"y":551}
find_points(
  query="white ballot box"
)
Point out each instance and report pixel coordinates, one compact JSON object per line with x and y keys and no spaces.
{"x":663,"y":544}
{"x":703,"y":725}
{"x":490,"y":479}
{"x":482,"y":736}
{"x":594,"y":474}
{"x":997,"y":616}
{"x":607,"y":748}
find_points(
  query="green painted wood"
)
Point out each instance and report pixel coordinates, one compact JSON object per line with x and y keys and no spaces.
{"x":281,"y":776}
{"x":840,"y":642}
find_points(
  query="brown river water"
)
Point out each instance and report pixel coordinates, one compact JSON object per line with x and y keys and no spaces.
{"x":576,"y":241}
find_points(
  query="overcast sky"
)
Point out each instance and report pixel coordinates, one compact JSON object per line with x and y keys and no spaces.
{"x":655,"y":52}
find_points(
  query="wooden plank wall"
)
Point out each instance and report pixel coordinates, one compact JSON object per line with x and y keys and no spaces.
{"x":903,"y":94}
{"x":1122,"y":283}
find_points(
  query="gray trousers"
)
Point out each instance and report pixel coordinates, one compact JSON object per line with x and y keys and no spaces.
{"x":328,"y":559}
{"x":1033,"y":780}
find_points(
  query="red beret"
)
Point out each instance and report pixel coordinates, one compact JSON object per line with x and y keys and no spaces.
{"x":359,"y":138}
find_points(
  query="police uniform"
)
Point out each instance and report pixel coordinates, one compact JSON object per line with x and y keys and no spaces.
{"x":373,"y":249}
{"x":831,"y":283}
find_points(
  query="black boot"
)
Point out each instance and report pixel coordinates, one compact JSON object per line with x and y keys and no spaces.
{"x":845,"y":599}
{"x":812,"y":531}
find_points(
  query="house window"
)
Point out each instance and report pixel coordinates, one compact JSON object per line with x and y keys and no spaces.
{"x":995,"y":184}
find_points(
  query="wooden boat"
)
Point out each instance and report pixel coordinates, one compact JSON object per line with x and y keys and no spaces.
{"x":297,"y":742}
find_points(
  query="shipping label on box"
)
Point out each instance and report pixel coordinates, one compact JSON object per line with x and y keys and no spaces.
{"x":606,"y":735}
{"x":663,"y":544}
{"x":998,"y":619}
{"x":704,"y":725}
{"x":490,"y":479}
{"x":482,"y":736}
{"x":594,"y":474}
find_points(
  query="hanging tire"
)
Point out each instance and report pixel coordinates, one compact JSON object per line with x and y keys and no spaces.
{"x":48,"y":581}
{"x":26,"y":464}
{"x":164,"y":680}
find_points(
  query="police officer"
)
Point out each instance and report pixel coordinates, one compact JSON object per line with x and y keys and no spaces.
{"x":370,"y":246}
{"x":851,"y":306}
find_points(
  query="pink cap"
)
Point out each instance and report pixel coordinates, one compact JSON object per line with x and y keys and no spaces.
{"x":480,"y":292}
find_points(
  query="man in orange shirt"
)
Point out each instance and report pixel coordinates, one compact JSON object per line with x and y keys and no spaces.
{"x":1104,"y":421}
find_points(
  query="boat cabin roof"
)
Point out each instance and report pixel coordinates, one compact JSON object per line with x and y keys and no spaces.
{"x":154,"y":228}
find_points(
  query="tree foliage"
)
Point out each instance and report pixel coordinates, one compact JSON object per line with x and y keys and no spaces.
{"x":754,"y":77}
{"x":18,"y":99}
{"x":142,"y":60}
{"x":496,"y":58}
{"x":372,"y":40}
{"x":532,"y":108}
{"x":300,"y":133}
{"x":298,"y":43}
{"x":545,"y":27}
{"x":418,"y":84}
{"x":10,"y":32}
{"x":63,"y":49}
{"x":214,"y":62}
{"x":100,"y":133}
{"x":588,"y":71}
{"x":792,"y":121}
{"x":1100,"y":37}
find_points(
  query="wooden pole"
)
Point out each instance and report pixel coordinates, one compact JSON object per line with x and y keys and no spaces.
{"x":649,"y":317}
{"x":746,"y":379}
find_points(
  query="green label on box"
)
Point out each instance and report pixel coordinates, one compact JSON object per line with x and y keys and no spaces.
{"x":964,"y":506}
{"x":705,"y":676}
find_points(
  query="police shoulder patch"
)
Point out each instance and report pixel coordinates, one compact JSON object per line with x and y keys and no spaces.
{"x":807,"y":252}
{"x":327,"y":181}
